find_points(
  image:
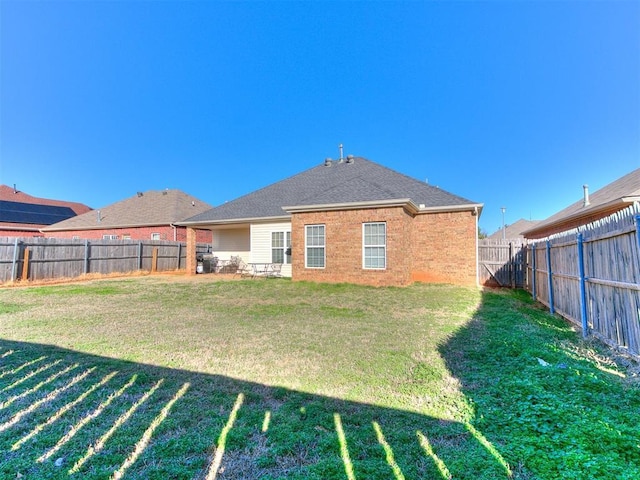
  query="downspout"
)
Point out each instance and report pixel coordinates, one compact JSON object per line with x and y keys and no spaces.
{"x":175,"y":232}
{"x":475,"y":214}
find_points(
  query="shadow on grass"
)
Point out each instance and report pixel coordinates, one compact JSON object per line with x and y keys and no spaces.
{"x":65,"y":414}
{"x":553,"y":405}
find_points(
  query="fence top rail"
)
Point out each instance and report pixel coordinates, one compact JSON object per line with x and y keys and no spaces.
{"x":619,"y":232}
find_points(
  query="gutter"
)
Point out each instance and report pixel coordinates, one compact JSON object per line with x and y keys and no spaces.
{"x":323,"y":207}
{"x":585,"y":212}
{"x":103,"y":227}
{"x":231,"y":221}
{"x":401,"y":202}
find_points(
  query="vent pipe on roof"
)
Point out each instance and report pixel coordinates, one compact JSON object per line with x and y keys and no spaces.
{"x":341,"y":153}
{"x":15,"y":190}
{"x":586,"y":202}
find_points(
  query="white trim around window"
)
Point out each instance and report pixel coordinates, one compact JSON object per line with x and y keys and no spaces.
{"x":280,"y":244}
{"x":374,"y":246}
{"x":314,"y":246}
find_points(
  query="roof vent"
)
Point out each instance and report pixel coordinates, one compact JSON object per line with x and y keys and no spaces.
{"x":15,"y":190}
{"x":350,"y":158}
{"x":586,"y":202}
{"x":193,"y":204}
{"x":164,"y":192}
{"x":139,"y":194}
{"x":327,"y":162}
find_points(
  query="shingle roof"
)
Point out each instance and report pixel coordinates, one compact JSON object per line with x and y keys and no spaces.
{"x":154,"y":207}
{"x":340,"y":183}
{"x":20,"y":211}
{"x":614,"y":196}
{"x":11,"y":195}
{"x":514,"y":230}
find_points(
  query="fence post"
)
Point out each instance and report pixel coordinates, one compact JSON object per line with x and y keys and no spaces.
{"x":549,"y":279}
{"x":86,"y":257}
{"x":140,"y":255}
{"x":14,"y":264}
{"x":154,"y":260}
{"x":583,"y":296}
{"x":533,"y":271}
{"x":178,"y":258}
{"x":512,"y":266}
{"x":25,"y":265}
{"x":637,"y":217}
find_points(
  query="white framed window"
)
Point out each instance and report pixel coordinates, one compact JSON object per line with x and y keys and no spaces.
{"x":155,"y":236}
{"x":109,"y":237}
{"x":314,"y":251}
{"x":280,"y":245}
{"x":374,"y":245}
{"x":75,"y":237}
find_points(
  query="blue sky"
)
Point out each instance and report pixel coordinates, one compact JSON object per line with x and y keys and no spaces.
{"x":513,"y":104}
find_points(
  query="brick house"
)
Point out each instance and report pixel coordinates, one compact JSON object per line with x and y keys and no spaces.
{"x":610,"y":199}
{"x":349,"y":220}
{"x":22,"y":215}
{"x":151,"y":215}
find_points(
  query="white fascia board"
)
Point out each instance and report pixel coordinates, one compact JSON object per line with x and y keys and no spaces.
{"x":230,"y":221}
{"x":472,"y":207}
{"x":400,"y":202}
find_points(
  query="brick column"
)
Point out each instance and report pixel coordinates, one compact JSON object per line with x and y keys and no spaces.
{"x":191,"y":251}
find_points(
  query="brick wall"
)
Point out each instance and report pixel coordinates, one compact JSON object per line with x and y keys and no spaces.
{"x":437,"y":247}
{"x":137,"y":233}
{"x":444,"y":248}
{"x":343,"y":239}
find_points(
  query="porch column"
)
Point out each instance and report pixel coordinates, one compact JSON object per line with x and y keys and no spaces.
{"x":191,"y":251}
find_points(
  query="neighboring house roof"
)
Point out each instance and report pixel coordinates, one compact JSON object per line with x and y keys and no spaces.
{"x":609,"y":199}
{"x":514,"y":230}
{"x":20,"y":211}
{"x":351,"y":183}
{"x":151,"y":208}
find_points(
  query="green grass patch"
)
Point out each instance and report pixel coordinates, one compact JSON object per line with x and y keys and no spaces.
{"x":304,"y":381}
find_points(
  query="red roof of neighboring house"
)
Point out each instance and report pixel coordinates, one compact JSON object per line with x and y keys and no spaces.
{"x":9,"y":194}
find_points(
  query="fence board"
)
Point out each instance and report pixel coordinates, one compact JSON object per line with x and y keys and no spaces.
{"x":502,"y":263}
{"x":611,"y":266}
{"x":64,"y":258}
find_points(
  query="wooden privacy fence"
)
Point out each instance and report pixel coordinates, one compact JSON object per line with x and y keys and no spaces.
{"x":591,"y":276}
{"x":27,"y":258}
{"x":502,"y":263}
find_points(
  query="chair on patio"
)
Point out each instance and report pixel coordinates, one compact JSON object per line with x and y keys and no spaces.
{"x":244,"y":269}
{"x":274,"y":270}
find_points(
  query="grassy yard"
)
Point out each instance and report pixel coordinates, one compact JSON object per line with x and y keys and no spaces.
{"x":163,"y":377}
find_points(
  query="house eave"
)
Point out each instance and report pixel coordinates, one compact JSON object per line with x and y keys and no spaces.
{"x":106,"y":227}
{"x":605,"y":208}
{"x":231,"y":221}
{"x":469,"y":207}
{"x":400,"y":202}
